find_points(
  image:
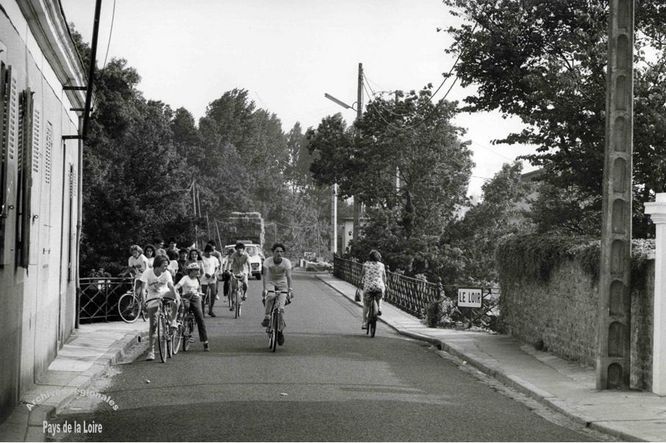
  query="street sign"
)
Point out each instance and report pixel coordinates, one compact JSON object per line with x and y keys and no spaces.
{"x":469,"y":298}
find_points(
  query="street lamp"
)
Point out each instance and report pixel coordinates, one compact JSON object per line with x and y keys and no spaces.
{"x":359,"y":112}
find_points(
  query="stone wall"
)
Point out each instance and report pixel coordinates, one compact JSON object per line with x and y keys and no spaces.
{"x":560,"y":316}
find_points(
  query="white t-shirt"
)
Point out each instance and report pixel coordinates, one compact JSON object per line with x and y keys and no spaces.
{"x":189,"y":285}
{"x":139,"y":264}
{"x":156,"y":286}
{"x":277,"y":272}
{"x":210,"y":263}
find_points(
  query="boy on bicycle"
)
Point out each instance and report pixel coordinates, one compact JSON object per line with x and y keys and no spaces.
{"x":277,"y":272}
{"x":159,"y":284}
{"x":239,"y":264}
{"x":189,"y":286}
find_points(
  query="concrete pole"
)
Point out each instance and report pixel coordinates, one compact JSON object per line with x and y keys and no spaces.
{"x":657,"y":211}
{"x":614,"y":326}
{"x":359,"y":113}
{"x":334,"y":219}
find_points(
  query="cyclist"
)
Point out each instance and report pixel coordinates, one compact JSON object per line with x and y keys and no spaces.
{"x":159,"y":284}
{"x":238,"y":264}
{"x":277,"y":272}
{"x":137,"y":263}
{"x":189,"y":285}
{"x":209,"y":280}
{"x":373,"y":277}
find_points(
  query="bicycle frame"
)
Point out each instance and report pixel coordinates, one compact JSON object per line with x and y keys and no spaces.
{"x":274,"y":325}
{"x":164,"y":335}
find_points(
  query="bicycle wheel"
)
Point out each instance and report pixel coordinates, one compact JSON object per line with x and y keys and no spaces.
{"x":237,"y":304}
{"x":372,"y":320}
{"x":162,"y":337}
{"x":274,"y":330}
{"x":187,"y":335}
{"x":177,"y":339}
{"x":129,"y":307}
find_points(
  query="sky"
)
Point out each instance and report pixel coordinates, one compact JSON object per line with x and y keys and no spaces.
{"x":287,"y":54}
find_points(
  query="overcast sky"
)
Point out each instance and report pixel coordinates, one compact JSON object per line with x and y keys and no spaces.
{"x":287,"y":54}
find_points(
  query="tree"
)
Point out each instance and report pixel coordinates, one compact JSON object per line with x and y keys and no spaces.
{"x":502,"y":211}
{"x":544,"y":62}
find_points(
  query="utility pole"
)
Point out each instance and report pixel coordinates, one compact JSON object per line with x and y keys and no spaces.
{"x":359,"y":114}
{"x":334,"y":219}
{"x":614,"y":330}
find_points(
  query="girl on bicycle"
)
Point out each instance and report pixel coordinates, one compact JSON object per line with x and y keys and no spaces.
{"x":190,"y":287}
{"x":373,"y":277}
{"x":137,"y":263}
{"x":159,"y":284}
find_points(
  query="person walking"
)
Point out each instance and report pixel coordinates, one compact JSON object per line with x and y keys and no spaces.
{"x":211,"y":265}
{"x":373,"y":277}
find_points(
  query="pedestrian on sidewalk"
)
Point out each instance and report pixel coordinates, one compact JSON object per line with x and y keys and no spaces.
{"x":373,"y":278}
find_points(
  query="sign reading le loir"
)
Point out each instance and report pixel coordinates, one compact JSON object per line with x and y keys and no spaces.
{"x":469,"y":298}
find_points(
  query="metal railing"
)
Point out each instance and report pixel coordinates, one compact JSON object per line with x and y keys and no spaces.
{"x":98,"y":297}
{"x":409,"y":294}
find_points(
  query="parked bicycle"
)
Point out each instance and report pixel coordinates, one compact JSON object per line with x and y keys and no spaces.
{"x":276,"y":322}
{"x":131,"y":305}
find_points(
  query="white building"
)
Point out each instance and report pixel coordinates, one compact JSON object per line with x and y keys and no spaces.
{"x":39,"y":190}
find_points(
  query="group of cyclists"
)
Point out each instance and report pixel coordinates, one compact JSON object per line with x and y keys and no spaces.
{"x":185,"y":275}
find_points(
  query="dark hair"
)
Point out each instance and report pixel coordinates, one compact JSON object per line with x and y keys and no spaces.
{"x":278,"y":245}
{"x":185,"y":250}
{"x":150,"y":247}
{"x":375,"y":255}
{"x":159,"y":260}
{"x":173,"y":255}
{"x":240,"y":245}
{"x":211,"y":242}
{"x":189,"y":253}
{"x":208,"y":248}
{"x":173,"y":240}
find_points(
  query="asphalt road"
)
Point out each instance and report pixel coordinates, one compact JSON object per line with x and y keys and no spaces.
{"x":328,"y":382}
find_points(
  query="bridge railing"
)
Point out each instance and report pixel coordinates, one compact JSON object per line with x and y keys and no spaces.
{"x":98,"y":297}
{"x":409,"y":294}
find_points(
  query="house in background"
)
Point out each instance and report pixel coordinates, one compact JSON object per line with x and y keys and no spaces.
{"x":40,"y":190}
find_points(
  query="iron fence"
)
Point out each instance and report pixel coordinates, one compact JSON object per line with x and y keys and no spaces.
{"x":98,"y":297}
{"x":409,"y":294}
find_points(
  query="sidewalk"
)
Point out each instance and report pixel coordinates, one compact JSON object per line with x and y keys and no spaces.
{"x":89,"y":352}
{"x":562,"y":385}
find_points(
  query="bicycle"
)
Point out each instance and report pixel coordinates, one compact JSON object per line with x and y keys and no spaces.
{"x":205,"y":301}
{"x":185,"y":326}
{"x":275,"y":322}
{"x":131,"y":305}
{"x":237,"y":296}
{"x":164,"y":334}
{"x":373,"y":309}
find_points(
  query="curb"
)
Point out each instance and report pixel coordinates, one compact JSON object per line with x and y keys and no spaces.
{"x":514,"y":382}
{"x":116,"y":352}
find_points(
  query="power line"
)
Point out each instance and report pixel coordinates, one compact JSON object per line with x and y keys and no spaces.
{"x":108,"y":45}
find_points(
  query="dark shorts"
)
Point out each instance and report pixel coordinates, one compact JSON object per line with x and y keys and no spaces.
{"x":368,"y":296}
